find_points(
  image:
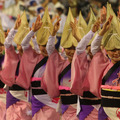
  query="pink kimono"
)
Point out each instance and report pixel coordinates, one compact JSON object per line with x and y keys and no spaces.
{"x":81,"y":74}
{"x":29,"y":60}
{"x":43,"y":112}
{"x":99,"y":61}
{"x":33,"y":66}
{"x":107,"y":78}
{"x":17,"y":105}
{"x":58,"y":84}
{"x":109,"y":81}
{"x":80,"y":66}
{"x":7,"y":75}
{"x":16,"y":96}
{"x":93,"y":85}
{"x":2,"y":94}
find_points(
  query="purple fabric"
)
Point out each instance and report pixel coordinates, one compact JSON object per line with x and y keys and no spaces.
{"x":10,"y":100}
{"x":64,"y":108}
{"x":36,"y":105}
{"x":112,"y":77}
{"x":29,"y":96}
{"x":101,"y":114}
{"x":85,"y":111}
{"x":66,"y":77}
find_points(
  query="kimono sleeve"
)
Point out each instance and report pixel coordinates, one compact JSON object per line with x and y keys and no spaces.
{"x":79,"y":70}
{"x":50,"y":78}
{"x":96,"y":70}
{"x":27,"y":65}
{"x":7,"y":75}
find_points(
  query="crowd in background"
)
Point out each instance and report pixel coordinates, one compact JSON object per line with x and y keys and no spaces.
{"x":9,"y":9}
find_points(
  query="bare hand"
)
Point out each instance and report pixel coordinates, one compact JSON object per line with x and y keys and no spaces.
{"x":56,"y":27}
{"x":37,"y":25}
{"x":103,"y":15}
{"x":18,"y":22}
{"x":74,"y":27}
{"x":106,"y":26}
{"x":96,"y":25}
{"x":74,"y":30}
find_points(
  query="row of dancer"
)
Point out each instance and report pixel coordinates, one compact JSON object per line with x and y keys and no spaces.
{"x":58,"y":88}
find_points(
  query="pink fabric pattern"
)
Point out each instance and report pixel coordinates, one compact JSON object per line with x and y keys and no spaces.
{"x":63,"y":88}
{"x":110,"y":87}
{"x":19,"y":111}
{"x":36,"y":79}
{"x":70,"y":114}
{"x":46,"y":113}
{"x":107,"y":68}
{"x":2,"y":111}
{"x":7,"y":75}
{"x":93,"y":115}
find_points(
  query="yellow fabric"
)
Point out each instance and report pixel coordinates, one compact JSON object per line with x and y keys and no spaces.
{"x":111,"y":39}
{"x":110,"y":89}
{"x":115,"y":21}
{"x":92,"y":20}
{"x":20,"y":95}
{"x":67,"y":39}
{"x":24,"y":19}
{"x":112,"y":112}
{"x":82,"y":25}
{"x":45,"y":30}
{"x":22,"y":30}
{"x":2,"y":36}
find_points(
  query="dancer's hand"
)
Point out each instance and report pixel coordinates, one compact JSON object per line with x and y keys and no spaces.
{"x":106,"y":26}
{"x":56,"y":27}
{"x":37,"y":25}
{"x":103,"y":15}
{"x":18,"y":22}
{"x":73,"y":25}
{"x":96,"y":25}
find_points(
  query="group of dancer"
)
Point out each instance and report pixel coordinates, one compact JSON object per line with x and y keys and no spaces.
{"x":38,"y":83}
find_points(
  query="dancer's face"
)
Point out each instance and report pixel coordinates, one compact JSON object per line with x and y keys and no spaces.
{"x":43,"y":50}
{"x":114,"y":55}
{"x":70,"y":52}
